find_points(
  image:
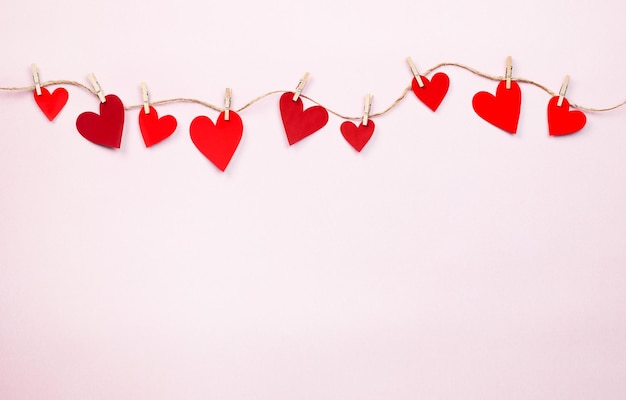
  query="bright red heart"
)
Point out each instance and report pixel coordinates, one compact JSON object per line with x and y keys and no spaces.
{"x":357,"y":136}
{"x":433,"y":91}
{"x":217,"y":142}
{"x":300,"y":123}
{"x":51,"y":103}
{"x":155,"y":129}
{"x":105,"y":128}
{"x":562,"y":121}
{"x":501,"y":110}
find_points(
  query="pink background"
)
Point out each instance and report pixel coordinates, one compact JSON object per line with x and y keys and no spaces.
{"x":448,"y":260}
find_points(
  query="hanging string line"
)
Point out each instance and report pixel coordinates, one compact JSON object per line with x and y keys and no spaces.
{"x":386,"y":110}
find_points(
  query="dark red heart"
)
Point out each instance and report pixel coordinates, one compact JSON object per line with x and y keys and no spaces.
{"x":357,"y":136}
{"x":501,"y":110}
{"x":300,"y":123}
{"x":51,"y":103}
{"x":217,"y":142}
{"x":433,"y":91}
{"x":155,"y":129}
{"x":562,"y":121}
{"x":105,"y":128}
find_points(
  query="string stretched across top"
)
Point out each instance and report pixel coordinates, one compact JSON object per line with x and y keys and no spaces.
{"x":218,"y":141}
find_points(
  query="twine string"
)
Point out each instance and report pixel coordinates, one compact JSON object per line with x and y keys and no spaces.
{"x":261,"y":97}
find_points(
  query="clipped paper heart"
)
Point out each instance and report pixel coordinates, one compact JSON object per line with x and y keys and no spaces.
{"x":51,"y":103}
{"x":300,"y":123}
{"x":105,"y":128}
{"x":433,"y":91}
{"x":501,"y":110}
{"x":218,"y":141}
{"x":562,"y":121}
{"x":357,"y":136}
{"x":155,"y":129}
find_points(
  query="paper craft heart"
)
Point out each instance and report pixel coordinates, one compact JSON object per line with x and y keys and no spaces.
{"x":562,"y":121}
{"x":357,"y":136}
{"x":105,"y":128}
{"x":217,"y":142}
{"x":300,"y":123}
{"x":501,"y":110}
{"x":433,"y":91}
{"x":51,"y":103}
{"x":155,"y":129}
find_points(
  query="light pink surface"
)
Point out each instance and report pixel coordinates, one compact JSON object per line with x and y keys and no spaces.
{"x":448,"y":260}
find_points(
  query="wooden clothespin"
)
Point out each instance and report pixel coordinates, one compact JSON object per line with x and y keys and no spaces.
{"x":36,"y":79}
{"x":420,"y":83}
{"x":300,"y":86}
{"x":367,"y":108}
{"x":509,"y":71}
{"x":227,"y":99}
{"x":145,"y":96}
{"x":563,"y":90}
{"x":97,"y":88}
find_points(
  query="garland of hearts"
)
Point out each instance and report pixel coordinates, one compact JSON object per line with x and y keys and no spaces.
{"x":218,"y":141}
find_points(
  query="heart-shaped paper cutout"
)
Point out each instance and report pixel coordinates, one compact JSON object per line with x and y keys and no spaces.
{"x":501,"y":110}
{"x":105,"y":128}
{"x":218,"y":141}
{"x":51,"y":103}
{"x":300,"y":123}
{"x":433,"y":91}
{"x":562,"y":121}
{"x":357,"y":136}
{"x":155,"y":129}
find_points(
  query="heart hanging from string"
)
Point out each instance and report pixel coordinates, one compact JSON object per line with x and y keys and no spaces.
{"x":562,"y":121}
{"x":300,"y":123}
{"x":218,"y":141}
{"x":501,"y":110}
{"x":357,"y":137}
{"x":154,"y":129}
{"x":105,"y":128}
{"x":433,"y":91}
{"x":51,"y":104}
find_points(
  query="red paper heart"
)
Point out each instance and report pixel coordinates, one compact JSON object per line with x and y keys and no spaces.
{"x":357,"y":136}
{"x":501,"y":110}
{"x":155,"y":129}
{"x":562,"y":121}
{"x":217,"y":142}
{"x":51,"y":103}
{"x":300,"y":123}
{"x":434,"y":91}
{"x":105,"y":128}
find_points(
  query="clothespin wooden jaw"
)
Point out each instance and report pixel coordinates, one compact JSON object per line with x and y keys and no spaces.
{"x":146,"y":98}
{"x":416,"y":73}
{"x":227,"y":101}
{"x":97,"y":88}
{"x":509,"y":71}
{"x":367,"y":108}
{"x":36,"y":79}
{"x":563,"y":90}
{"x":300,"y":86}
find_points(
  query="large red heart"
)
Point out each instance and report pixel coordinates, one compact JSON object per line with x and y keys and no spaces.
{"x":105,"y":128}
{"x":300,"y":123}
{"x":217,"y":142}
{"x":155,"y":129}
{"x":357,"y":136}
{"x":433,"y":91}
{"x":562,"y":121}
{"x":501,"y":110}
{"x":51,"y":103}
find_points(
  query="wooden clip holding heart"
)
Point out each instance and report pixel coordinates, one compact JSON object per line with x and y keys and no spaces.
{"x":298,"y":122}
{"x":562,"y":121}
{"x":358,"y":137}
{"x":50,"y":104}
{"x":153,"y":129}
{"x":430,"y":92}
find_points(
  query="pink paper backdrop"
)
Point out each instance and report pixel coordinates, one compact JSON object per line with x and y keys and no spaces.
{"x":449,"y":260}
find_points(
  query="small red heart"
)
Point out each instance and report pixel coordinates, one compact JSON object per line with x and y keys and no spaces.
{"x":501,"y":110}
{"x":155,"y":129}
{"x":51,"y":103}
{"x":105,"y":128}
{"x":433,"y":91}
{"x":562,"y":121}
{"x":300,"y":123}
{"x":357,"y":136}
{"x":217,"y":142}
